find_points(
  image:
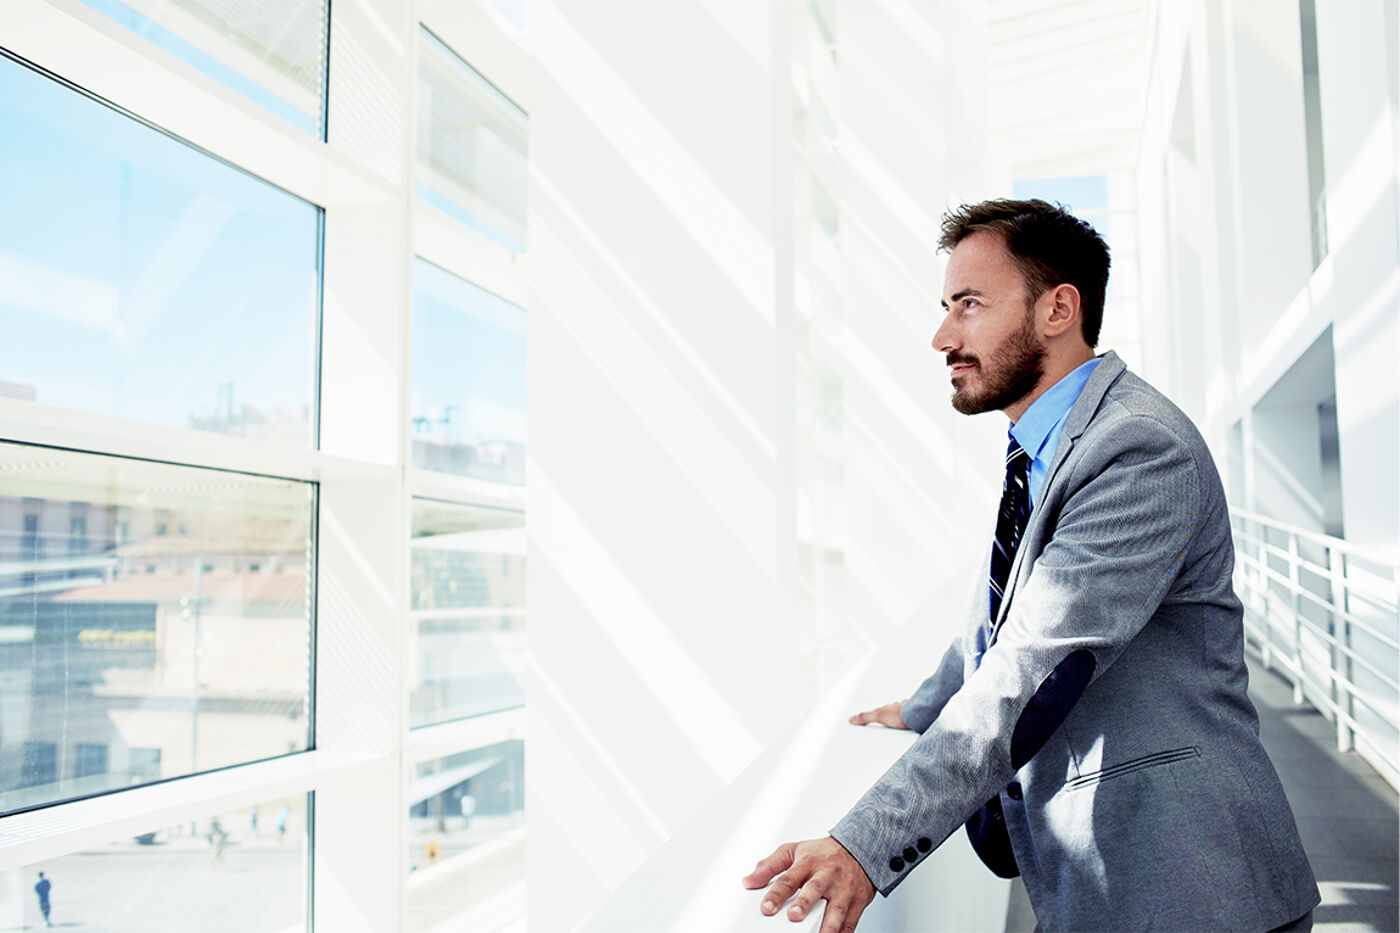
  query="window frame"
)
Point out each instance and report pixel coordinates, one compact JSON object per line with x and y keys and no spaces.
{"x":371,"y":227}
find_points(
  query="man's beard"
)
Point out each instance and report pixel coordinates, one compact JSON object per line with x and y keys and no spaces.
{"x":1008,"y":376}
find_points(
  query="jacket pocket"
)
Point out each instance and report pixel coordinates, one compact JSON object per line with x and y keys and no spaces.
{"x":1136,"y":764}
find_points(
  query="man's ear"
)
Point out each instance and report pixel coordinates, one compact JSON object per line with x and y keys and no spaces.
{"x":1061,"y":310}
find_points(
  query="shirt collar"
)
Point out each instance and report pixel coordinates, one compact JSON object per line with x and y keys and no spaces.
{"x":1038,"y":422}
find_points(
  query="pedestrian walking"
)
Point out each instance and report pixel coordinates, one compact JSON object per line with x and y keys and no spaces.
{"x":42,"y":888}
{"x":217,"y":837}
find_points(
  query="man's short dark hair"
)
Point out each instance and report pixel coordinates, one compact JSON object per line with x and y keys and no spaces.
{"x":1048,"y":244}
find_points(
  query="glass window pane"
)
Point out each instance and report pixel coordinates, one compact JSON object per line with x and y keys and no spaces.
{"x":468,"y":379}
{"x":467,"y":641}
{"x":172,"y":636}
{"x":143,"y":279}
{"x":273,"y":52}
{"x":236,"y":872}
{"x":472,"y":146}
{"x":466,"y":840}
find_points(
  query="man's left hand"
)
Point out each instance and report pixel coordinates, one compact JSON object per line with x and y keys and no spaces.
{"x":815,"y":870}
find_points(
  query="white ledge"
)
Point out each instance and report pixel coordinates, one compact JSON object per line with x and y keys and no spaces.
{"x":53,"y":831}
{"x":797,"y":789}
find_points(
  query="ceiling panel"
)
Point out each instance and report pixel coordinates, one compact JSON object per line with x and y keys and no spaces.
{"x":1065,"y":82}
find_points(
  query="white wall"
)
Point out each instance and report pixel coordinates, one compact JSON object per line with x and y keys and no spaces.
{"x":669,"y":634}
{"x":1356,"y":65}
{"x":1220,"y":342}
{"x":917,"y":472}
{"x":1252,"y":338}
{"x":662,"y":663}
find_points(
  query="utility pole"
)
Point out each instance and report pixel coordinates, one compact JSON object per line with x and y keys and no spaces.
{"x":191,"y":606}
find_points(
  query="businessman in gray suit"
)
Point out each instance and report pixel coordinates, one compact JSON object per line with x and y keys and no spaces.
{"x":1091,"y":725}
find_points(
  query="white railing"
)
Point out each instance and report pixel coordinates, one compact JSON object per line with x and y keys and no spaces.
{"x":1324,"y":613}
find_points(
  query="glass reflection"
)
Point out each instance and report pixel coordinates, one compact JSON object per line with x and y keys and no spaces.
{"x":467,"y":641}
{"x":466,"y":852}
{"x":155,"y":621}
{"x":143,"y":279}
{"x":468,"y":379}
{"x":237,"y":872}
{"x":273,"y":54}
{"x":472,"y":146}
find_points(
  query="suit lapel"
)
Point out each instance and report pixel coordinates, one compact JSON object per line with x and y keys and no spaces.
{"x":1080,"y":414}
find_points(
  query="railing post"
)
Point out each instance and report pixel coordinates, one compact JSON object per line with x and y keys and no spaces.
{"x":1258,"y":594}
{"x":1296,"y":592}
{"x":1377,"y":607}
{"x":1341,"y":647}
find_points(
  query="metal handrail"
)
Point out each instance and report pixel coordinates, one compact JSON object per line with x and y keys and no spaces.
{"x":1322,"y":539}
{"x":1347,"y":651}
{"x":1318,"y":656}
{"x":1318,"y":601}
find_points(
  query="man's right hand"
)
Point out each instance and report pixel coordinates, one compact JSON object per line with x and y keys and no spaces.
{"x":887,"y":715}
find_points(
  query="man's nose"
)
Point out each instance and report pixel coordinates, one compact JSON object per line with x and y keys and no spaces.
{"x":945,"y":339}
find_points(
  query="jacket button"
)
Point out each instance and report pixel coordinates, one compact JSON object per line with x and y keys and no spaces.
{"x":925,"y":844}
{"x":910,"y":854}
{"x":1013,"y":790}
{"x":896,"y":864}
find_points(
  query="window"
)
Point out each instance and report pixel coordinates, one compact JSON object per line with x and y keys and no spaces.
{"x":466,"y":649}
{"x":467,"y":640}
{"x":144,"y":764}
{"x":242,"y":871}
{"x":77,"y":534}
{"x":472,"y":146}
{"x":272,"y":53}
{"x":92,"y":759}
{"x":124,"y":273}
{"x":468,"y":379}
{"x":163,"y":491}
{"x":116,"y":676}
{"x":40,"y":764}
{"x":466,"y":839}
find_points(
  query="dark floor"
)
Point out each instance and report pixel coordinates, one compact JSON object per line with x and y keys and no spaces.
{"x":1347,"y":815}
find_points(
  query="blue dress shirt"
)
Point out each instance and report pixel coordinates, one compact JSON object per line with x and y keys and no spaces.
{"x":1038,"y":432}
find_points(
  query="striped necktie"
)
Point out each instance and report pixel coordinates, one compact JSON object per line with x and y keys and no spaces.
{"x":1011,"y":522}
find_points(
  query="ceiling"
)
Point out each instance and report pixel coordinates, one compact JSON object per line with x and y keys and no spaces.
{"x":1066,"y":81}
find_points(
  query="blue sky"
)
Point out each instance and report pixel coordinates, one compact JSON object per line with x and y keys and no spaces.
{"x":1086,"y":193}
{"x":468,"y":351}
{"x":137,"y":274}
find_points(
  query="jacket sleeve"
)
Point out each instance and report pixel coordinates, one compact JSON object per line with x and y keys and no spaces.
{"x":1123,"y":530}
{"x":921,"y":709}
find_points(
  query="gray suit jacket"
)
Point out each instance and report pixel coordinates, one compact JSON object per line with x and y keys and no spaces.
{"x":1109,"y":709}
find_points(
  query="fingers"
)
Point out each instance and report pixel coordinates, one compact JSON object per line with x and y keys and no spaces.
{"x":833,"y":921}
{"x":813,"y":891}
{"x":888,"y":715}
{"x":843,"y":910}
{"x":841,"y":921}
{"x":783,"y":887}
{"x":809,"y":872}
{"x":763,"y":872}
{"x":871,"y":715}
{"x":843,"y":903}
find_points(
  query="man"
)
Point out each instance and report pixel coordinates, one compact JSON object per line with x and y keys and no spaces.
{"x":42,"y":887}
{"x":1091,"y":724}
